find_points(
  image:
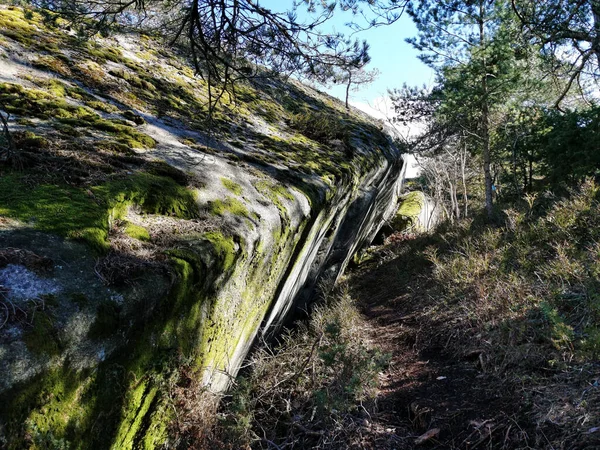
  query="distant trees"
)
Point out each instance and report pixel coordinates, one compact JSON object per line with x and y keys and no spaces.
{"x":510,"y":90}
{"x":470,"y":44}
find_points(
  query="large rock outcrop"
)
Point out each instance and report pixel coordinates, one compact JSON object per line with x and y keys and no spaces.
{"x":140,"y":241}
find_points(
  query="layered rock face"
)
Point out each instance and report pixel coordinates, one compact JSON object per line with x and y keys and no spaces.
{"x":141,"y":245}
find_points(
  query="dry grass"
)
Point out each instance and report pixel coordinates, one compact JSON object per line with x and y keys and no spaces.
{"x":513,"y":308}
{"x":315,"y":389}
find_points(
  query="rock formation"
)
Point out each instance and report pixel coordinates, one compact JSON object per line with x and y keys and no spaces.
{"x":139,"y":240}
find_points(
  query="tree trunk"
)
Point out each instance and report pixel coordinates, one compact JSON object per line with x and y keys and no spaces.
{"x":348,"y":89}
{"x":515,"y":169}
{"x":453,"y":189}
{"x":463,"y":163}
{"x":596,"y":36}
{"x":530,"y":174}
{"x":485,"y":118}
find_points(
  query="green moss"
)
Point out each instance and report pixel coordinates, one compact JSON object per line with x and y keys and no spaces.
{"x":123,"y":132}
{"x":146,"y":55}
{"x":54,"y":64}
{"x":104,"y":53}
{"x":41,"y":104}
{"x":142,"y":397}
{"x":163,"y":169}
{"x":133,"y":79}
{"x":44,"y":105}
{"x":274,"y":192}
{"x":14,"y":25}
{"x":108,"y":319}
{"x":130,"y":115}
{"x":79,"y":94}
{"x":137,"y":232}
{"x":26,"y":123}
{"x":229,"y":205}
{"x":30,"y":141}
{"x":120,"y":404}
{"x":85,"y":214}
{"x":67,"y":129}
{"x":154,"y":194}
{"x":41,"y":413}
{"x":102,"y":106}
{"x":56,"y":88}
{"x":58,"y":209}
{"x":232,"y":186}
{"x":224,"y":247}
{"x":409,"y":210}
{"x":112,"y":146}
{"x":42,"y":337}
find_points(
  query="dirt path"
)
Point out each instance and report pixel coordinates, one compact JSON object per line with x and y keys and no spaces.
{"x":425,"y":391}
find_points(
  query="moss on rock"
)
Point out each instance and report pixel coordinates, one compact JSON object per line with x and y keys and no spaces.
{"x":86,"y":213}
{"x":137,"y":232}
{"x":229,"y":205}
{"x":42,"y":337}
{"x":408,"y":212}
{"x":232,"y":186}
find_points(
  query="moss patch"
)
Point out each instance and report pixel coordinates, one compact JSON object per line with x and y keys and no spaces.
{"x":42,"y":337}
{"x":224,"y":247}
{"x":85,"y":214}
{"x":232,"y":186}
{"x":229,"y":205}
{"x":137,"y":232}
{"x":274,"y":192}
{"x":409,"y":210}
{"x":44,"y":105}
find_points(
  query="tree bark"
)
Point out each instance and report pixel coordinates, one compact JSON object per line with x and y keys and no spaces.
{"x":485,"y":117}
{"x":463,"y":163}
{"x":348,"y":89}
{"x":596,"y":36}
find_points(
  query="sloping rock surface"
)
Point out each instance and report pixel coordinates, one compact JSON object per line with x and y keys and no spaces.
{"x":141,"y":241}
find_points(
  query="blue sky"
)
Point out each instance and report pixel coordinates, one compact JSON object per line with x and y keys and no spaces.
{"x":396,"y":60}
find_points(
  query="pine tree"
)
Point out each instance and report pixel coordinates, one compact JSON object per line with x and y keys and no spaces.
{"x":471,"y":45}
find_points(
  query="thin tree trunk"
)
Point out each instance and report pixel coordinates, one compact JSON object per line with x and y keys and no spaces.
{"x":452,"y":204}
{"x":453,"y":189}
{"x":530,"y":173}
{"x":348,"y":90}
{"x":515,"y":168}
{"x":485,"y":117}
{"x":463,"y":163}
